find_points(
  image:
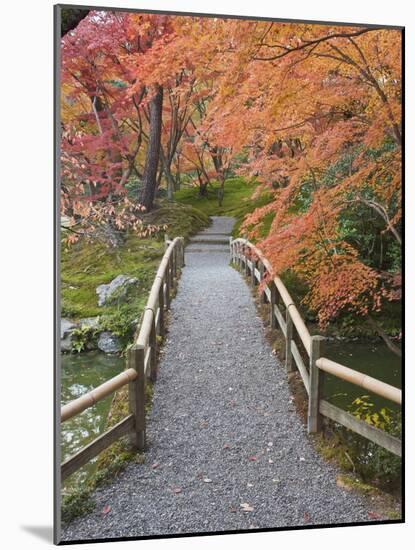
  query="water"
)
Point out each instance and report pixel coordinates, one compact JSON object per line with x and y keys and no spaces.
{"x":373,"y":359}
{"x":80,"y":374}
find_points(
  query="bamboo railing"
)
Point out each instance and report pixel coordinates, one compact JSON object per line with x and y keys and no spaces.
{"x":251,"y":260}
{"x":141,"y":365}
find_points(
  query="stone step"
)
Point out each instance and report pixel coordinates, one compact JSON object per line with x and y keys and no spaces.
{"x":208,"y":232}
{"x":209,"y":239}
{"x":204,"y":247}
{"x":207,"y":250}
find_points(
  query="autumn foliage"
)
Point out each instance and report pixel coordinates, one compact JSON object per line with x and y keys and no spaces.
{"x":313,"y":112}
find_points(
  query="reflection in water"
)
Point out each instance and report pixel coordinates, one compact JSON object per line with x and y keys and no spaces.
{"x":370,"y":358}
{"x":80,"y":374}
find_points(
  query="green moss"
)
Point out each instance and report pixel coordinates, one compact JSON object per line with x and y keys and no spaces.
{"x":351,"y":482}
{"x":75,"y":504}
{"x":394,"y":514}
{"x":88,"y":264}
{"x":237,"y":200}
{"x":182,"y":220}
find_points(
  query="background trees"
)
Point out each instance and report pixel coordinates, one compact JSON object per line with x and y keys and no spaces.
{"x":312,"y":111}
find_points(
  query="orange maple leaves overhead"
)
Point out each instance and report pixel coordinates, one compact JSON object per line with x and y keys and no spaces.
{"x":316,"y":97}
{"x":314,"y":111}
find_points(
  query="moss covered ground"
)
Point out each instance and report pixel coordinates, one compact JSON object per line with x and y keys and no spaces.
{"x":87,"y":264}
{"x":237,"y":200}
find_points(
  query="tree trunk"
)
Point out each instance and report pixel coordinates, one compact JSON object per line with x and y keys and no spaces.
{"x":221,"y":189}
{"x":153,"y":151}
{"x":203,"y":189}
{"x":168,"y":174}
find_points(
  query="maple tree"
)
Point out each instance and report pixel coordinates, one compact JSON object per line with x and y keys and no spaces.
{"x":322,"y":129}
{"x":313,"y":110}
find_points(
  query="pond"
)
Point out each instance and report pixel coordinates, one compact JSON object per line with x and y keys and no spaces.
{"x":372,"y":358}
{"x":80,"y":373}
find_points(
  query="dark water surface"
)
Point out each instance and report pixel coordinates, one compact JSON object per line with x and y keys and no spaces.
{"x":373,"y":359}
{"x":80,"y":374}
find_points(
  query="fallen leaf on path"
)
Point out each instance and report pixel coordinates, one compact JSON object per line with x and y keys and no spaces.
{"x":226,"y":446}
{"x":374,"y":515}
{"x":246,"y":507}
{"x":155,"y":465}
{"x":306,"y":517}
{"x":252,"y":458}
{"x":177,"y":490}
{"x":106,"y":509}
{"x":342,"y":484}
{"x":231,"y":509}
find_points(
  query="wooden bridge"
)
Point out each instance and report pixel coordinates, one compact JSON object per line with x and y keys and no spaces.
{"x":302,"y":353}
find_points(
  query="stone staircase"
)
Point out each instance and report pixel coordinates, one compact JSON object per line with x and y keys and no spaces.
{"x":215,"y":238}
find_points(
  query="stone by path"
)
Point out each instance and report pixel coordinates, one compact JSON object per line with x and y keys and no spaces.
{"x":227,"y":450}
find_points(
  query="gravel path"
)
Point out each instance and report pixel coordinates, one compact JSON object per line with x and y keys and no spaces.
{"x":227,"y":450}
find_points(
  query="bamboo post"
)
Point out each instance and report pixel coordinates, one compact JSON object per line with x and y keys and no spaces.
{"x":161,"y":309}
{"x":174,"y":266}
{"x":166,"y":241}
{"x":314,"y":417}
{"x":272,"y":303}
{"x":136,"y":394}
{"x":288,"y":355}
{"x":153,"y":353}
{"x":171,"y":274}
{"x":261,"y":268}
{"x":182,"y":249}
{"x":253,"y":278}
{"x":246,"y":261}
{"x":167,"y":280}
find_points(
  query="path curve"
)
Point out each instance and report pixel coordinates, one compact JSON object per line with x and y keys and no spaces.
{"x":227,"y":450}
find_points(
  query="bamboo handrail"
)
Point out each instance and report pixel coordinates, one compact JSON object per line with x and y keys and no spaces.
{"x":146,"y":324}
{"x":317,"y":364}
{"x":285,"y":295}
{"x":359,"y":379}
{"x":331,"y":367}
{"x":100,"y":392}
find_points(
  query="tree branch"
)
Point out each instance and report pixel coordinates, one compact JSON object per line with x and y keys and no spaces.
{"x":309,"y":43}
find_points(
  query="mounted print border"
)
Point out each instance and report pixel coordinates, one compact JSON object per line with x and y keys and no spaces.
{"x":229,"y":237}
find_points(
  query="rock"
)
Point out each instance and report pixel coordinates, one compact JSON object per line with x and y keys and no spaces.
{"x":108,"y":342}
{"x":67,"y":327}
{"x":120,"y":283}
{"x":92,"y":322}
